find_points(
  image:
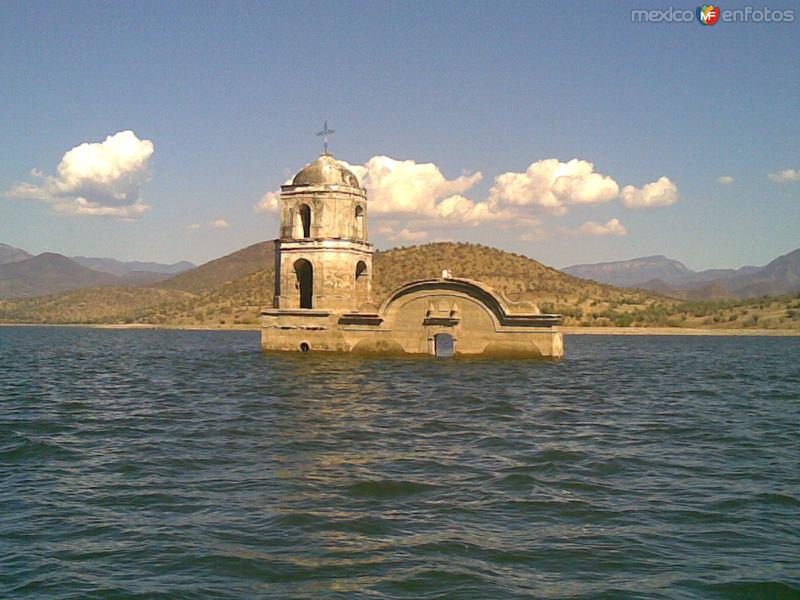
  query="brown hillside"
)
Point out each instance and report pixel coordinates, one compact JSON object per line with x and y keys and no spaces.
{"x":224,"y":270}
{"x":517,"y":276}
{"x":48,"y":273}
{"x":92,"y":305}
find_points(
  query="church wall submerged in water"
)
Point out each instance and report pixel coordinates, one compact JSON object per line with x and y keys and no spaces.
{"x":323,"y":288}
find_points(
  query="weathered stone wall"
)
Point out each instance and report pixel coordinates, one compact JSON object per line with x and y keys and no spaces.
{"x":335,"y":264}
{"x":333,"y":212}
{"x":324,"y":335}
{"x":335,"y":245}
{"x":410,"y":328}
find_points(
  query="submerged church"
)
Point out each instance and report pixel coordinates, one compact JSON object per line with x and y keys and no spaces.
{"x":323,"y":288}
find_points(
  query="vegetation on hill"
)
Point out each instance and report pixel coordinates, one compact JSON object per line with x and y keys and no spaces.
{"x":224,"y":270}
{"x":230,"y":291}
{"x":517,"y":276}
{"x":90,"y":305}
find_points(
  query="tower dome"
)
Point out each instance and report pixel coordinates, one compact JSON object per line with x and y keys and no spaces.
{"x":326,"y":170}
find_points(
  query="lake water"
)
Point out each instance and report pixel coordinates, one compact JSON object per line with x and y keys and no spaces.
{"x":167,"y":464}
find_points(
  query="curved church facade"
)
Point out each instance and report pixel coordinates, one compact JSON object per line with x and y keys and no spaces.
{"x":323,"y":288}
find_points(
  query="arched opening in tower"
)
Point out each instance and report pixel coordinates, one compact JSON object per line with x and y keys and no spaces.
{"x":359,"y":222}
{"x":305,"y":282}
{"x":305,"y":218}
{"x":362,"y":282}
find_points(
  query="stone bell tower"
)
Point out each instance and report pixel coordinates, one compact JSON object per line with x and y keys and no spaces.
{"x":323,"y":260}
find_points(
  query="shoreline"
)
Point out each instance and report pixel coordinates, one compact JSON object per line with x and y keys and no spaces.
{"x":140,"y":326}
{"x":685,"y":331}
{"x":678,"y":331}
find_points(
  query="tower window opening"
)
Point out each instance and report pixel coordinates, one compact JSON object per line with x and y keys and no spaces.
{"x":362,"y":282}
{"x":305,"y":217}
{"x":359,"y":222}
{"x":305,"y":282}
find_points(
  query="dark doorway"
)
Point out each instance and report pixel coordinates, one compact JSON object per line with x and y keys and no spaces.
{"x":443,"y":345}
{"x":305,"y":281}
{"x":305,"y":216}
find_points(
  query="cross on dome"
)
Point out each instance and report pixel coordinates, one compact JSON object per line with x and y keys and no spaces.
{"x":324,"y":135}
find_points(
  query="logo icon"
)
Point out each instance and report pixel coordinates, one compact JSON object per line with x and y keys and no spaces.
{"x":708,"y":14}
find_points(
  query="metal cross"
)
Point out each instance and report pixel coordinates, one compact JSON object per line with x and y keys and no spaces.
{"x":324,"y":135}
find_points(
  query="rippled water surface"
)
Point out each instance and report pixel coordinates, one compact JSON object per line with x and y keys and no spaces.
{"x":164,"y":464}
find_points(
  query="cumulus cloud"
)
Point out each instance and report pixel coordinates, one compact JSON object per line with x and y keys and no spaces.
{"x":269,"y":203}
{"x":785,"y":176}
{"x":96,"y":178}
{"x":411,"y":189}
{"x":408,"y":187}
{"x":412,"y":201}
{"x":612,"y":227}
{"x":725,"y":180}
{"x":658,"y":193}
{"x":552,"y":185}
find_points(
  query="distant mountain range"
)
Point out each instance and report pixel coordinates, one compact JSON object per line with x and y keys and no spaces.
{"x":231,"y":290}
{"x":9,"y":254}
{"x":118,"y":267}
{"x":23,"y":275}
{"x":671,"y":277}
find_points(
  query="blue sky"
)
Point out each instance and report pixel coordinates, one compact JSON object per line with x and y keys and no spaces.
{"x":231,"y":94}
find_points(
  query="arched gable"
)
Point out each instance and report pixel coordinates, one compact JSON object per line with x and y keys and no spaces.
{"x":472,"y":289}
{"x":478,"y":292}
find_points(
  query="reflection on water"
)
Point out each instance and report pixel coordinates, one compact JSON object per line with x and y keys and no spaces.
{"x":187,"y":464}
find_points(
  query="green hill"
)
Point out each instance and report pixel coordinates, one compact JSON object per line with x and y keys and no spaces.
{"x":231,"y":290}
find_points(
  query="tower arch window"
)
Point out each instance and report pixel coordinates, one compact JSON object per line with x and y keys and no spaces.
{"x":362,"y":282}
{"x":302,"y":224}
{"x":304,"y":271}
{"x":359,"y":222}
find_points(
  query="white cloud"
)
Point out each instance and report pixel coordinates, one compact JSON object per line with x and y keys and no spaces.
{"x":785,"y":176}
{"x":408,"y":187}
{"x":552,"y":185}
{"x":657,"y":193}
{"x":96,"y":178}
{"x":458,"y":210}
{"x":194,"y":226}
{"x":612,"y":227}
{"x":537,"y":234}
{"x":725,"y":180}
{"x":405,"y":234}
{"x":219,"y":224}
{"x":411,"y":201}
{"x":269,"y":203}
